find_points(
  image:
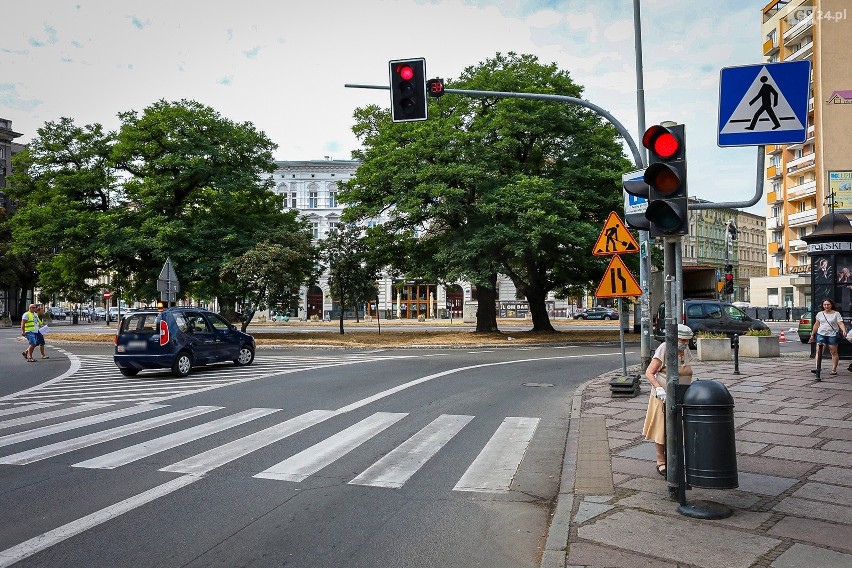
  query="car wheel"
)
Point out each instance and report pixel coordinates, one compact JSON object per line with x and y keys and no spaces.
{"x":607,"y":318}
{"x":182,"y":365}
{"x":129,"y":372}
{"x":245,"y":357}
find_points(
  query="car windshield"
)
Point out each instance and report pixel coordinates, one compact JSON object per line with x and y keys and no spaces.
{"x":140,"y":323}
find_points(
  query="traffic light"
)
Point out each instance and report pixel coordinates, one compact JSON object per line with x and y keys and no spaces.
{"x":729,"y":279}
{"x":408,"y":89}
{"x":666,"y":178}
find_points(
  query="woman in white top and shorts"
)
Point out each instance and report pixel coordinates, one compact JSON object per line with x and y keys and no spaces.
{"x":828,"y":325}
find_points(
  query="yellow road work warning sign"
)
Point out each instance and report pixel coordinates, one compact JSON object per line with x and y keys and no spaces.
{"x":615,"y":238}
{"x":617,"y":282}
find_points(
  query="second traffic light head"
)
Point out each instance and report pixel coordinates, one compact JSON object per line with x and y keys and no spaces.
{"x":408,"y":89}
{"x":665,"y":175}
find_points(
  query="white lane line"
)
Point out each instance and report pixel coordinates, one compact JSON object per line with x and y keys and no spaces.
{"x":495,"y":466}
{"x":65,"y":446}
{"x":46,"y":540}
{"x":311,"y":460}
{"x":397,"y":467}
{"x":10,"y":439}
{"x":75,"y":366}
{"x":213,"y":458}
{"x":26,"y":408}
{"x":146,"y":449}
{"x":50,"y":414}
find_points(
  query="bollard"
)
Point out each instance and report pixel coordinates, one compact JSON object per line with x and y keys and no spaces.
{"x":735,"y":342}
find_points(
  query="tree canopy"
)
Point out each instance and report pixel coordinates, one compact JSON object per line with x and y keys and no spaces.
{"x":176,"y":179}
{"x":511,"y":186}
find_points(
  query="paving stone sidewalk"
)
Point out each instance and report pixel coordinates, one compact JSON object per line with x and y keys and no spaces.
{"x":793,"y":506}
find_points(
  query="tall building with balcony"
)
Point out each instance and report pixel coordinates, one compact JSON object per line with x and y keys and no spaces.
{"x":805,"y":180}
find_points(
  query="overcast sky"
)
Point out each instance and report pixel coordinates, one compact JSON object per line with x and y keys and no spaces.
{"x":282,"y":64}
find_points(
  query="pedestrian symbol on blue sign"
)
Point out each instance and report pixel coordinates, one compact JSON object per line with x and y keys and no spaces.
{"x":764,"y":104}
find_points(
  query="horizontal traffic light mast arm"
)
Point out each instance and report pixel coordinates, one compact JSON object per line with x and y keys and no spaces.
{"x":637,"y":157}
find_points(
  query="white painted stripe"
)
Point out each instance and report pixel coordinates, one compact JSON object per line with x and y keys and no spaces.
{"x":65,"y":446}
{"x":46,"y":540}
{"x":78,"y":423}
{"x":397,"y":467}
{"x":50,"y":414}
{"x":495,"y":466}
{"x":141,"y":450}
{"x":26,"y":408}
{"x":216,"y":457}
{"x":313,"y":459}
{"x":75,"y":366}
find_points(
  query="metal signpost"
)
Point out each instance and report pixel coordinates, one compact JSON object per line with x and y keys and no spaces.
{"x":167,"y":283}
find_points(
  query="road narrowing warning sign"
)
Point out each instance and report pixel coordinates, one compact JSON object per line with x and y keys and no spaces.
{"x":615,"y":238}
{"x":617,"y":281}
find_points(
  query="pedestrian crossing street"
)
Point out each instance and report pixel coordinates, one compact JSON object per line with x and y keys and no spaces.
{"x":492,"y":471}
{"x":96,"y":379}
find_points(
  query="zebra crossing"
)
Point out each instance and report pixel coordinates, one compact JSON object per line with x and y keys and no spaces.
{"x":492,"y":470}
{"x":95,"y":378}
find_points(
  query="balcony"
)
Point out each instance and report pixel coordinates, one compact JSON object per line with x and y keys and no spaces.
{"x":774,"y":149}
{"x":802,"y":218}
{"x":802,"y":190}
{"x":801,"y":164}
{"x":773,"y":197}
{"x":770,"y":46}
{"x":798,"y":245}
{"x":803,"y":53}
{"x":772,"y":248}
{"x":773,"y":172}
{"x":799,"y":29}
{"x":773,"y":223}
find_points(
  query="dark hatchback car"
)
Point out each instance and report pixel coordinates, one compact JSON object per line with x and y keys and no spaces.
{"x":712,"y":316}
{"x":178,"y":339}
{"x":597,"y":313}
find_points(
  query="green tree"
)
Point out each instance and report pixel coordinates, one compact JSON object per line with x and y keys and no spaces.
{"x":272,"y":272}
{"x":176,"y":179}
{"x":510,"y":186}
{"x":351,"y":277}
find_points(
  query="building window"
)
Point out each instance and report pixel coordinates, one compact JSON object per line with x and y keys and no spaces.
{"x":332,"y":225}
{"x":315,"y":226}
{"x":293,"y":201}
{"x":312,"y":200}
{"x":332,"y":199}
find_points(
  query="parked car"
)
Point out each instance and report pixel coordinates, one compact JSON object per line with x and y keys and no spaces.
{"x":597,"y":313}
{"x":57,"y":312}
{"x":712,"y":316}
{"x":178,"y":339}
{"x":805,"y":327}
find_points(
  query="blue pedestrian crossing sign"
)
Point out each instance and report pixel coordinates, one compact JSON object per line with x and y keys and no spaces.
{"x":764,"y":104}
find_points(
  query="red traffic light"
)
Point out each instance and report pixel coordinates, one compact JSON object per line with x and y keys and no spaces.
{"x":729,"y":276}
{"x":405,"y":72}
{"x":661,"y":141}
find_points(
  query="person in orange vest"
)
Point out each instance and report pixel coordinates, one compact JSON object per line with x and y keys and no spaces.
{"x":30,"y":323}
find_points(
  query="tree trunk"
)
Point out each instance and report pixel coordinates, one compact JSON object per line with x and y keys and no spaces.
{"x":538,"y":309}
{"x":486,"y":310}
{"x":342,"y":308}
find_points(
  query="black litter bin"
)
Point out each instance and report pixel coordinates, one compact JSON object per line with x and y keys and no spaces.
{"x":708,"y":430}
{"x":75,"y":318}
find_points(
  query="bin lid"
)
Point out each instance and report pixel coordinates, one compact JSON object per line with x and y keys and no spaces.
{"x":707,"y":393}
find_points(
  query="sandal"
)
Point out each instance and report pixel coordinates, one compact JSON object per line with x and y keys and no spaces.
{"x":24,"y":354}
{"x":46,"y":357}
{"x":31,"y":360}
{"x":661,"y":469}
{"x":833,"y":373}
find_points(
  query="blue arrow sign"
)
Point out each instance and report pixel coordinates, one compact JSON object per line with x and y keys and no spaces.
{"x":764,"y":104}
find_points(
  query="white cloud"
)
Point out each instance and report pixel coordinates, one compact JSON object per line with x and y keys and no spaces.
{"x":282,"y":65}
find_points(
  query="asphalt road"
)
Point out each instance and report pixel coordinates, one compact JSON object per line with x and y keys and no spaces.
{"x":307,"y":458}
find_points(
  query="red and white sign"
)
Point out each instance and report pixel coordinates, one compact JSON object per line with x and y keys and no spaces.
{"x":107,"y":294}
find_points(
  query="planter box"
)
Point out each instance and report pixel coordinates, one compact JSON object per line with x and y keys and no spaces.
{"x":714,"y":349}
{"x":759,"y":346}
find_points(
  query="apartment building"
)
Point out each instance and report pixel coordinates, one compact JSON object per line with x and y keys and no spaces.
{"x":804,"y":181}
{"x":10,"y":299}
